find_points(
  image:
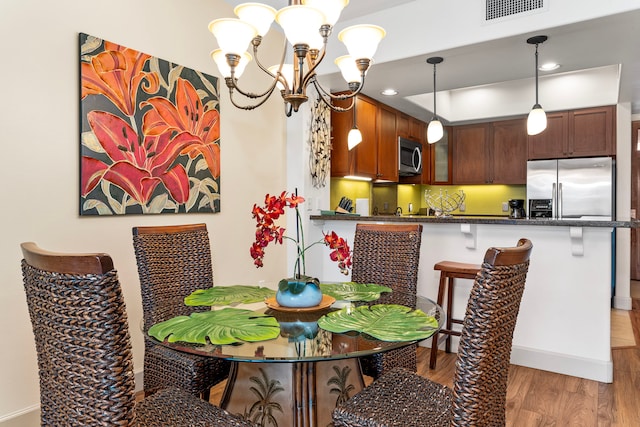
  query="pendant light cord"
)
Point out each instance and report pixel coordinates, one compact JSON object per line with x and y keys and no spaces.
{"x":536,"y":73}
{"x":434,"y":91}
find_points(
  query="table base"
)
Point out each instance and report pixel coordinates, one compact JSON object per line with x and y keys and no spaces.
{"x":296,"y":394}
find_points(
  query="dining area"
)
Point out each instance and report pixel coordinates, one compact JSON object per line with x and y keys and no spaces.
{"x":350,"y":359}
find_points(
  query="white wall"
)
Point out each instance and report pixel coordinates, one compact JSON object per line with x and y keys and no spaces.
{"x":39,"y":115}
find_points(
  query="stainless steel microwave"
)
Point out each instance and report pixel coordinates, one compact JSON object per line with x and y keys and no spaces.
{"x":409,"y":157}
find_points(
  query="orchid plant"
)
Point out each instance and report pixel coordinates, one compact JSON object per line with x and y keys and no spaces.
{"x":268,"y":231}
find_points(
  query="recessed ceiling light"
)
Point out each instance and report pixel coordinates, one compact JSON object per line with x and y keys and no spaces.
{"x":549,"y":66}
{"x":389,"y":92}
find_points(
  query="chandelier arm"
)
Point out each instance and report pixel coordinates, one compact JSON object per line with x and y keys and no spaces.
{"x":266,"y":70}
{"x":246,"y":107}
{"x":251,"y":95}
{"x":311,"y":73}
{"x":327,"y":98}
{"x":343,"y":96}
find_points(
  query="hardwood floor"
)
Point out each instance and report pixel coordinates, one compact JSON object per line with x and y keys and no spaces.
{"x":538,"y":398}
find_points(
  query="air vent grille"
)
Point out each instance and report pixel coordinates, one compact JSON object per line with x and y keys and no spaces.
{"x":500,"y":8}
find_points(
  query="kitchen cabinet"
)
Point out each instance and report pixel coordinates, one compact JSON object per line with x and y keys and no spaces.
{"x":387,"y":164}
{"x":509,"y":151}
{"x":586,"y":132}
{"x":362,"y":160}
{"x":471,"y":154}
{"x":441,"y":159}
{"x":490,"y":153}
{"x":376,"y":157}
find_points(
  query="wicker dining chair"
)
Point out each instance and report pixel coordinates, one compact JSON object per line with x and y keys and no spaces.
{"x":85,"y":362}
{"x":173,"y":261}
{"x":478,"y":398}
{"x":388,"y":255}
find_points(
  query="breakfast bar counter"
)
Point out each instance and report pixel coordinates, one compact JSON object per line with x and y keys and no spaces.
{"x":564,"y":320}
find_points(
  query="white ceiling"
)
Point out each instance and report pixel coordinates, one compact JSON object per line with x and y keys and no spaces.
{"x":503,"y":62}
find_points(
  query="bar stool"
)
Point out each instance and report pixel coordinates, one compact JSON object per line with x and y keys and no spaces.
{"x":449,"y":270}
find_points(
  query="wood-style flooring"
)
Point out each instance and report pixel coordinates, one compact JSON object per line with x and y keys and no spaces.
{"x":540,"y":398}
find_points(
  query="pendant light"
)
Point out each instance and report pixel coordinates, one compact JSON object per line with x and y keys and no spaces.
{"x":434,"y":130}
{"x":355,"y":137}
{"x":537,"y":120}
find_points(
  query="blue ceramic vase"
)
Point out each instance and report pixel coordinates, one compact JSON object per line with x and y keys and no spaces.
{"x":299,"y":292}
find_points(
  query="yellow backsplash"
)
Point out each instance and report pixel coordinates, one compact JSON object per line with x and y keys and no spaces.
{"x":479,"y":199}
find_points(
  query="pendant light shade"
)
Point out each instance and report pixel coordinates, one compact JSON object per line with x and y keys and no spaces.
{"x":434,"y":130}
{"x":537,"y":120}
{"x":354,"y":137}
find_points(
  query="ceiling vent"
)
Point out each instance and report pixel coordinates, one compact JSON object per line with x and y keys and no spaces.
{"x":497,"y":9}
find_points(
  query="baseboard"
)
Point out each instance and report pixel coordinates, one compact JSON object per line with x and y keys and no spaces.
{"x":622,"y":303}
{"x":596,"y":370}
{"x":30,"y":416}
{"x":27,"y":417}
{"x":590,"y":369}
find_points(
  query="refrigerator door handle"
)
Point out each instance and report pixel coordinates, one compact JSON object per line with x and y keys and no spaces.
{"x":554,"y":199}
{"x":560,"y":214}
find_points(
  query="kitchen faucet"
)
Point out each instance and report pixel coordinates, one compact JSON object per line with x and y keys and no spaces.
{"x":398,"y":211}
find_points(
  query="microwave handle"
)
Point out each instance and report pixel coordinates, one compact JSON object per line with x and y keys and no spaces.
{"x":418,"y":154}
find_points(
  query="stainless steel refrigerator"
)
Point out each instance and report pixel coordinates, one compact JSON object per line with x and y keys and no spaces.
{"x":575,"y":188}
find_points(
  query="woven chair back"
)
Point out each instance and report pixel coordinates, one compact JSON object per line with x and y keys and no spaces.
{"x":388,"y":255}
{"x":173,"y":261}
{"x":482,"y":366}
{"x":82,"y":339}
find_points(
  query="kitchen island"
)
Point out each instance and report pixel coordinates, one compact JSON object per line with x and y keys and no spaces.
{"x":564,"y":321}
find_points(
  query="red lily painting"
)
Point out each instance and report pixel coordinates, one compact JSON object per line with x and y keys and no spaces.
{"x":150,"y":134}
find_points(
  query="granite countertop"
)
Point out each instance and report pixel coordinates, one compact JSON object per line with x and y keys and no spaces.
{"x":505,"y":220}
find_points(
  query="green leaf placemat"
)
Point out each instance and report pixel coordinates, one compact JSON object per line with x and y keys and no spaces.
{"x":226,"y":326}
{"x":226,"y":295}
{"x":351,"y":291}
{"x":386,"y":322}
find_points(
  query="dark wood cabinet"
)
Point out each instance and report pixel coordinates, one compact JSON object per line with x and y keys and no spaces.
{"x":362,"y":160}
{"x":551,"y":142}
{"x":441,"y":154}
{"x":509,"y":152}
{"x":387,"y":144}
{"x":376,"y":157}
{"x":592,"y":132}
{"x":490,"y":153}
{"x":586,"y":132}
{"x":471,"y":164}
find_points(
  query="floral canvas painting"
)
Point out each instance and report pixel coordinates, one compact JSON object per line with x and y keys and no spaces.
{"x":150,"y":134}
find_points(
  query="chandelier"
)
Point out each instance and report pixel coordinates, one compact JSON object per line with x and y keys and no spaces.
{"x":307,"y":25}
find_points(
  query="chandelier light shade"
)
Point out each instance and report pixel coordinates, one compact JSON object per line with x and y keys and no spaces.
{"x":233,"y":35}
{"x":435,"y":132}
{"x":537,"y":120}
{"x":221,"y":61}
{"x":307,"y":25}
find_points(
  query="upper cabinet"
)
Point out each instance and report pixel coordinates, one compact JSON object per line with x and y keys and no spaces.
{"x":441,"y":159}
{"x":509,"y":152}
{"x":490,"y":153}
{"x":577,"y":133}
{"x":387,"y":144}
{"x":362,"y":160}
{"x":376,"y":157}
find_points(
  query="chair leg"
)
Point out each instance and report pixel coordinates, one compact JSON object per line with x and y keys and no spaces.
{"x":434,"y":338}
{"x":449,"y":314}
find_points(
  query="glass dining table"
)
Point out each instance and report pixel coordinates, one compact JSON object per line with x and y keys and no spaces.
{"x":297,"y":378}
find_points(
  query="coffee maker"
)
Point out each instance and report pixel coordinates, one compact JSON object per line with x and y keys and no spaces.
{"x":517,"y":208}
